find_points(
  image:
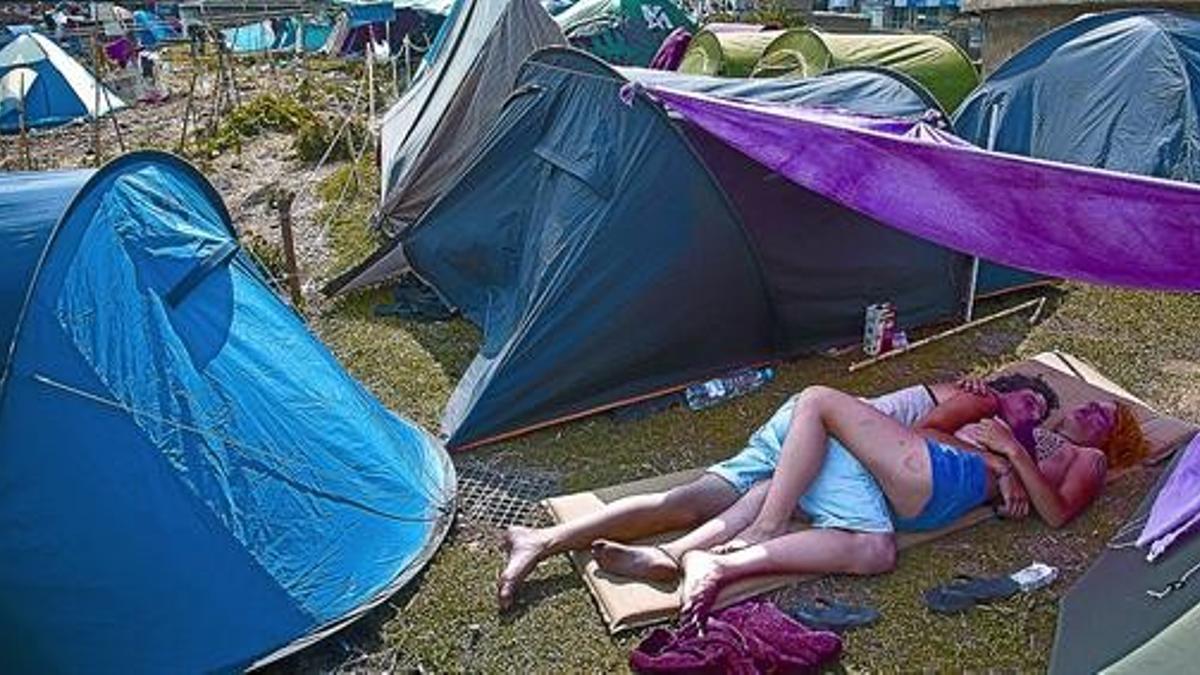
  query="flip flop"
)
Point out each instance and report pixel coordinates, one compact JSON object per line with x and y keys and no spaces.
{"x":824,"y":614}
{"x":965,"y":592}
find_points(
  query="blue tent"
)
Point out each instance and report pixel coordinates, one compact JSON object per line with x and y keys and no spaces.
{"x":1116,"y":90}
{"x":38,"y":77}
{"x":251,"y":37}
{"x":189,"y":482}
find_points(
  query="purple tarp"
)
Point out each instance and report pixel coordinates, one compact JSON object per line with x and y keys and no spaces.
{"x":670,"y":52}
{"x":1176,"y":510}
{"x":1055,"y":219}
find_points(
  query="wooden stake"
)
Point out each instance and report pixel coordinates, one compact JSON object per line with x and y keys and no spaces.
{"x":187,"y":112}
{"x":24,"y":133}
{"x":289,"y":247}
{"x":1038,"y":304}
{"x":96,"y":108}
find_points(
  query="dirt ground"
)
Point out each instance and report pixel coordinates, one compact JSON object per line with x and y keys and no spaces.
{"x":445,"y":620}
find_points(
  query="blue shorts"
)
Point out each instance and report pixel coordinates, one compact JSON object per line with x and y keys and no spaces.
{"x":843,"y":495}
{"x":959,"y":485}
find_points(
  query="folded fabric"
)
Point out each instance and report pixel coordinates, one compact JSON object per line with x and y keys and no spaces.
{"x":753,"y":637}
{"x":1176,"y":510}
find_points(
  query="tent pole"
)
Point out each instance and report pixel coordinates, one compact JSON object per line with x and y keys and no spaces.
{"x":370,"y":75}
{"x":95,"y":108}
{"x":974,"y":283}
{"x":187,"y":111}
{"x":1036,"y":304}
{"x":21,"y":122}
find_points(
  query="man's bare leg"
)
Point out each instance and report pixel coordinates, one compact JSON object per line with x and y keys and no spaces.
{"x":805,"y":552}
{"x":625,"y":519}
{"x":662,"y":562}
{"x":894,"y":454}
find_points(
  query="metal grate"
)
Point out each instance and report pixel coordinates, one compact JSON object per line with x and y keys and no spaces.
{"x":492,"y":496}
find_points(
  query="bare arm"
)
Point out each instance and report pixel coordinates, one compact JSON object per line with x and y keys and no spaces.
{"x":957,"y":411}
{"x":1083,"y":480}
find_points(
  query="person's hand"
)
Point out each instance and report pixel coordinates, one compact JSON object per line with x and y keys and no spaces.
{"x":996,"y":436}
{"x":1016,"y":499}
{"x":974,"y":385}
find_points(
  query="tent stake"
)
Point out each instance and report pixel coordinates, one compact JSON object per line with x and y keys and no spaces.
{"x":289,"y":248}
{"x":1037,"y":304}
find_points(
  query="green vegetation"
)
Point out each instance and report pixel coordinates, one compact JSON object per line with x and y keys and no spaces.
{"x":312,"y":134}
{"x":445,"y":621}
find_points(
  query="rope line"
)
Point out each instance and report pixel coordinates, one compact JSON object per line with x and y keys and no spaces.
{"x":442,"y":507}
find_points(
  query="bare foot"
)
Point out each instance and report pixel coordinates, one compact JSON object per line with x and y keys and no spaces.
{"x":703,"y":576}
{"x":748,"y":537}
{"x":524,"y":548}
{"x":639,"y":562}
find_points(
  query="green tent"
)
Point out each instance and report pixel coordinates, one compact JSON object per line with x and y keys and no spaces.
{"x":622,"y":32}
{"x":730,"y":54}
{"x":932,"y":60}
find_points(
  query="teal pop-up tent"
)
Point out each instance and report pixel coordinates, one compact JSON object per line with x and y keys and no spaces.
{"x":189,"y":482}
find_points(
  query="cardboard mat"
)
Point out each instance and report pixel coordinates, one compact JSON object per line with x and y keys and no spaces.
{"x":628,"y":603}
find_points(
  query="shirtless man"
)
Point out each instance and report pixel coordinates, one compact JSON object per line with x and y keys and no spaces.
{"x":1017,"y":399}
{"x":924,"y":479}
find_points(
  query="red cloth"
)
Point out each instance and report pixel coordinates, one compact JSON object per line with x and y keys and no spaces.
{"x":753,"y":637}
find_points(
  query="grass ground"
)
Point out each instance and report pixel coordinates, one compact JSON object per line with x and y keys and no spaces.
{"x":446,"y":620}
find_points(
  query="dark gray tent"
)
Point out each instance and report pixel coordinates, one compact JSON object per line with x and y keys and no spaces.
{"x":611,"y":253}
{"x":430,"y":133}
{"x":1108,"y":621}
{"x":1116,"y":90}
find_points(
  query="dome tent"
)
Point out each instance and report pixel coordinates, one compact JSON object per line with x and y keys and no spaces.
{"x":608,"y":252}
{"x":190,"y":481}
{"x":1111,"y":91}
{"x":932,"y":60}
{"x":622,"y":32}
{"x":63,"y":91}
{"x":726,"y":53}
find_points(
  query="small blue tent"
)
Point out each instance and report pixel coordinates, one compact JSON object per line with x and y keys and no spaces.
{"x":1116,"y":90}
{"x":189,"y":482}
{"x":37,"y":76}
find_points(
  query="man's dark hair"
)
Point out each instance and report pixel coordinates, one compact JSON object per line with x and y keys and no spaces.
{"x":1009,"y":383}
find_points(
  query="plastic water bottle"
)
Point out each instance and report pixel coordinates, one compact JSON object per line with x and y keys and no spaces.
{"x":707,"y":394}
{"x":1035,"y":576}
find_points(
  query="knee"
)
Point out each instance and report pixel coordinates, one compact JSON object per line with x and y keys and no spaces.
{"x":874,"y":554}
{"x":685,"y":505}
{"x":814,"y":394}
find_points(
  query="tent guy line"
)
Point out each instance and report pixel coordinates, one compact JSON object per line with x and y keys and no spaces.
{"x":247,"y":452}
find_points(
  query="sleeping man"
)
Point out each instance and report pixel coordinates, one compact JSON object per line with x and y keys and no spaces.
{"x":844,"y":500}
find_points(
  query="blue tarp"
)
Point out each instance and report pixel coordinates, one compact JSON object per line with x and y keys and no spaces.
{"x":366,"y":13}
{"x":190,"y":482}
{"x":1116,"y":90}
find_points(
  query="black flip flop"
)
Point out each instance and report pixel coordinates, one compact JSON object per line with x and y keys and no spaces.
{"x":824,"y":614}
{"x":965,"y":592}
